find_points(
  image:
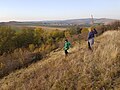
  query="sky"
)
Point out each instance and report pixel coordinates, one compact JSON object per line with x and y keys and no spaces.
{"x":39,"y":10}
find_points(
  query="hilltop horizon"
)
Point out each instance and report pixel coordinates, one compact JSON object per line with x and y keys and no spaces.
{"x":66,"y":22}
{"x":59,"y":19}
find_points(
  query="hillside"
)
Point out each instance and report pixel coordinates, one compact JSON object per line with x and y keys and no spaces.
{"x":81,"y":70}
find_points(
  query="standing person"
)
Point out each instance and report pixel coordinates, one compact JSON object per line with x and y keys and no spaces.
{"x":91,"y":35}
{"x":66,"y":46}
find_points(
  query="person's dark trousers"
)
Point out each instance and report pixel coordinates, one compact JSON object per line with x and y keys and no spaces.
{"x":66,"y":52}
{"x":89,"y":47}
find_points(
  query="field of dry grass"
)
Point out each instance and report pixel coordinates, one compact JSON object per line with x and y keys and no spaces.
{"x":49,"y":28}
{"x":81,"y":70}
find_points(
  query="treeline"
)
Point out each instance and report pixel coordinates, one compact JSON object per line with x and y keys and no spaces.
{"x":11,"y":39}
{"x":111,"y":26}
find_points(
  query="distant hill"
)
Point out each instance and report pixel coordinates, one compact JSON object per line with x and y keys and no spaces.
{"x":86,"y":21}
{"x":82,"y":21}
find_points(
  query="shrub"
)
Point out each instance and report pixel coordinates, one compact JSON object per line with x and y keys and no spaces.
{"x":31,"y":47}
{"x":6,"y":39}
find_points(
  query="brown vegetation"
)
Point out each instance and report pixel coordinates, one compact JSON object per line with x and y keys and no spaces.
{"x":19,"y":49}
{"x":81,"y":70}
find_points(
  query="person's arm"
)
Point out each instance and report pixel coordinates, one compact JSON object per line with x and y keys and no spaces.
{"x":70,"y":45}
{"x":65,"y":46}
{"x":88,"y":35}
{"x":95,"y":31}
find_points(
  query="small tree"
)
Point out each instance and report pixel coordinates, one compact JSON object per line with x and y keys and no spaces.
{"x":24,"y":38}
{"x":39,"y":36}
{"x":6,"y":39}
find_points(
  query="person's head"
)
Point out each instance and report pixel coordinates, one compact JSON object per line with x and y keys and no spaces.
{"x":90,"y":29}
{"x":94,"y":29}
{"x":66,"y":40}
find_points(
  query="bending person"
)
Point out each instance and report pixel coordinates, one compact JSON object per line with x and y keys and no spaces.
{"x":66,"y":46}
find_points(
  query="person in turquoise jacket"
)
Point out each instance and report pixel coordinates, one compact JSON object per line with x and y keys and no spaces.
{"x":66,"y":46}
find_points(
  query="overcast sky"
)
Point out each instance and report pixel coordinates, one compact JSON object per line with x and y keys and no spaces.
{"x":37,"y":10}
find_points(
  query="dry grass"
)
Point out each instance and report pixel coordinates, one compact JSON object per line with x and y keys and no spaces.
{"x":49,"y":28}
{"x":18,"y":59}
{"x":81,"y":70}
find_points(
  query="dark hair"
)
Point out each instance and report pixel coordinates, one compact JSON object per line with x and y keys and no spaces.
{"x":66,"y":40}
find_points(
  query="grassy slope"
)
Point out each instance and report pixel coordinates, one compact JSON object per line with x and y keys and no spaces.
{"x":82,"y":70}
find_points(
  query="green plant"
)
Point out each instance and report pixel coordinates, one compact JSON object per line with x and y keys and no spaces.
{"x":31,"y":47}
